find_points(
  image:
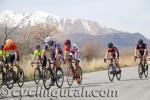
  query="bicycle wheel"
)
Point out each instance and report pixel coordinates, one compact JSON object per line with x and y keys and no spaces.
{"x":47,"y":79}
{"x":59,"y":77}
{"x":111,"y":75}
{"x":140,"y":71}
{"x":37,"y":76}
{"x":1,"y":76}
{"x":10,"y":79}
{"x":118,"y":74}
{"x":146,"y":71}
{"x":70,"y":76}
{"x":79,"y":75}
{"x":20,"y":78}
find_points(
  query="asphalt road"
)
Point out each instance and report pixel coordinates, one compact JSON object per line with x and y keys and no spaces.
{"x":95,"y":86}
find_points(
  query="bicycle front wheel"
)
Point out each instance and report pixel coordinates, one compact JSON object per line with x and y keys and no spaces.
{"x":10,"y":79}
{"x":79,"y":75}
{"x":20,"y":78}
{"x":59,"y":77}
{"x":1,"y":78}
{"x":111,"y":73}
{"x":70,"y":76}
{"x":37,"y":76}
{"x":47,"y":79}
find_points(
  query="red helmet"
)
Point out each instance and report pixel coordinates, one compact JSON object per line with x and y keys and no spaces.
{"x":66,"y":42}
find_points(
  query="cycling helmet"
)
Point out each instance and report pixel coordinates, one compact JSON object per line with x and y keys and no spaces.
{"x":9,"y":41}
{"x":38,"y":47}
{"x":48,"y":39}
{"x":140,"y":41}
{"x":75,"y":46}
{"x":66,"y":42}
{"x":110,"y":45}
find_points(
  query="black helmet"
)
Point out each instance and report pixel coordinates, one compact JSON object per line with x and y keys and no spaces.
{"x":38,"y":47}
{"x":110,"y":45}
{"x":140,"y":41}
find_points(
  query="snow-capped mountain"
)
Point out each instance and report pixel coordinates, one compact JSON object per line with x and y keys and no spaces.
{"x":64,"y":25}
{"x":78,"y":30}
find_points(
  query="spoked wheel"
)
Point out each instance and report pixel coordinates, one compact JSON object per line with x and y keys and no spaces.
{"x":1,"y":77}
{"x":20,"y":78}
{"x":59,"y":77}
{"x":37,"y":75}
{"x":10,"y":79}
{"x":79,"y":75}
{"x":118,"y":74}
{"x":146,"y":71}
{"x":70,"y":76}
{"x":140,"y":71}
{"x":111,"y":74}
{"x":47,"y":79}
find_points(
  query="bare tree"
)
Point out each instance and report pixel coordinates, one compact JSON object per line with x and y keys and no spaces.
{"x":6,"y":33}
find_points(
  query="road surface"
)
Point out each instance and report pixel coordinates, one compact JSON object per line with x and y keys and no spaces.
{"x":95,"y":86}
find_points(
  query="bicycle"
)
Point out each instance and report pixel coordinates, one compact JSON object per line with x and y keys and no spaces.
{"x":53,"y":76}
{"x":3,"y":69}
{"x":38,"y":72}
{"x":73,"y":74}
{"x":113,"y":70}
{"x":13,"y":77}
{"x":142,"y":68}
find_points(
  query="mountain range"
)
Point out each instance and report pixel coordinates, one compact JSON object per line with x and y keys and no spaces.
{"x":79,"y":30}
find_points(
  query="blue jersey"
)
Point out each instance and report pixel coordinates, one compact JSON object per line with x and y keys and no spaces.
{"x":52,"y":48}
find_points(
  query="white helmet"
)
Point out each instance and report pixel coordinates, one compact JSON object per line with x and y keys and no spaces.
{"x":75,"y":46}
{"x":48,"y":39}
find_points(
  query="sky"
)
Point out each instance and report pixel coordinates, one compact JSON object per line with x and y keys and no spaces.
{"x":125,"y":15}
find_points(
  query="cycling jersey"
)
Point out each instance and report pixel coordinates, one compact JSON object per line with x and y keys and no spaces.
{"x":38,"y":52}
{"x":67,"y":48}
{"x":52,"y":50}
{"x":141,"y":49}
{"x":72,"y":53}
{"x":10,"y":47}
{"x":113,"y":51}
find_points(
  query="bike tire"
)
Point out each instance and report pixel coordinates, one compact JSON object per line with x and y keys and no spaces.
{"x":47,"y":79}
{"x":79,"y":75}
{"x":110,"y":75}
{"x":20,"y":78}
{"x":70,"y":76}
{"x":118,"y":74}
{"x":37,"y":76}
{"x":10,"y":77}
{"x":59,"y":77}
{"x":146,"y":71}
{"x":140,"y":72}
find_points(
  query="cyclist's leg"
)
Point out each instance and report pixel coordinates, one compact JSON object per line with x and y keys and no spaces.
{"x":11,"y":59}
{"x":52,"y":61}
{"x":17,"y":62}
{"x":44,"y":61}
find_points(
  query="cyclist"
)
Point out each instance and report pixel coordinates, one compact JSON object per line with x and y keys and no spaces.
{"x":141,"y":47}
{"x":52,"y":49}
{"x":67,"y":49}
{"x":76,"y":55}
{"x":11,"y":54}
{"x":112,"y":51}
{"x":37,"y":53}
